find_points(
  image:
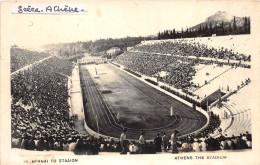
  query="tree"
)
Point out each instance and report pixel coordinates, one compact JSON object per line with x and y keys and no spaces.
{"x":222,"y":28}
{"x":187,"y":33}
{"x":159,"y":36}
{"x":234,"y":24}
{"x":191,"y":33}
{"x":200,"y":30}
{"x":206,"y":30}
{"x":203,"y":31}
{"x":210,"y":29}
{"x":245,"y":25}
{"x":216,"y":29}
{"x":229,"y":29}
{"x":174,"y":33}
{"x":248,"y":23}
{"x":167,"y":34}
{"x":171,"y":34}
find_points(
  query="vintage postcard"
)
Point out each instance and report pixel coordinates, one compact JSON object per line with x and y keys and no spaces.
{"x":130,"y":82}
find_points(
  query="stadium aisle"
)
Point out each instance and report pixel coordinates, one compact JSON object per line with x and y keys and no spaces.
{"x":76,"y":101}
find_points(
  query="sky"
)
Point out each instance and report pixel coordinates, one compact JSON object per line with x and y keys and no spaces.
{"x":113,"y":19}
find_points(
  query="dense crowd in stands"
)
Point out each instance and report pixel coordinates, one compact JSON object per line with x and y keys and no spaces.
{"x":39,"y":101}
{"x":184,"y":48}
{"x":22,"y":57}
{"x":179,"y":69}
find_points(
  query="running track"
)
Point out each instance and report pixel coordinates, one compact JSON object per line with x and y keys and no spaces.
{"x":98,"y":111}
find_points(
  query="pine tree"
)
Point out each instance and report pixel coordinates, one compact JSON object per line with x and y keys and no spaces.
{"x":216,"y":29}
{"x":210,"y":29}
{"x":170,"y":34}
{"x":200,"y":30}
{"x":164,"y":34}
{"x":245,"y":24}
{"x":190,"y":33}
{"x":229,"y":29}
{"x":206,"y":30}
{"x":187,"y":33}
{"x":222,"y":28}
{"x":234,"y":25}
{"x":203,"y":32}
{"x":167,"y":34}
{"x":249,"y":26}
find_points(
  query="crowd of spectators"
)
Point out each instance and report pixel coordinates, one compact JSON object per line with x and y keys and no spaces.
{"x":185,"y":48}
{"x":39,"y":107}
{"x":179,"y":69}
{"x":22,"y":57}
{"x":89,"y":145}
{"x":206,"y":143}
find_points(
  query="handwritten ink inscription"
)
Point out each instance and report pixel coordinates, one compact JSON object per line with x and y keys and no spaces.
{"x":49,"y":9}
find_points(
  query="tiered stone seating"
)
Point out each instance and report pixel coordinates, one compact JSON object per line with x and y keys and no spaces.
{"x":239,"y":105}
{"x":228,"y":78}
{"x":212,"y":70}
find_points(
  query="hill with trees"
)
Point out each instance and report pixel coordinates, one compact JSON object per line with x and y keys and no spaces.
{"x":219,"y":24}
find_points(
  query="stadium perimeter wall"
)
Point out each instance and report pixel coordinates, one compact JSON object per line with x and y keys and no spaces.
{"x":69,"y":94}
{"x":95,"y":134}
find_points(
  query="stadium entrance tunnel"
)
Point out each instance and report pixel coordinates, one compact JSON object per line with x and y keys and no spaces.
{"x":208,"y":100}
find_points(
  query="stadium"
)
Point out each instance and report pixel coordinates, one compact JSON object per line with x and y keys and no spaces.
{"x":178,"y":91}
{"x":155,"y":87}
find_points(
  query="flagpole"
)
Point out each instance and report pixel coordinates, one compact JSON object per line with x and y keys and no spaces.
{"x":97,"y":124}
{"x":207,"y":105}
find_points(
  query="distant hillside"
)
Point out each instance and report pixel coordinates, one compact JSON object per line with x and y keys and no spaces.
{"x":217,"y":19}
{"x":220,"y":24}
{"x":66,"y":50}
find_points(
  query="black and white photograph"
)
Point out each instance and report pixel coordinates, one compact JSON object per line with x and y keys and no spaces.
{"x":130,"y":82}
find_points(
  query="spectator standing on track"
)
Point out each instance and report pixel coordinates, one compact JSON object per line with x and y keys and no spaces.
{"x":185,"y":146}
{"x":248,"y":136}
{"x":31,"y":144}
{"x":174,"y":138}
{"x":158,"y":143}
{"x":165,"y":140}
{"x":66,"y":146}
{"x":123,"y":142}
{"x":203,"y":144}
{"x":196,"y":146}
{"x":40,"y":145}
{"x":142,"y":143}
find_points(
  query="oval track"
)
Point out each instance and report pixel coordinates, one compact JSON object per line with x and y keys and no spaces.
{"x":101,"y":117}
